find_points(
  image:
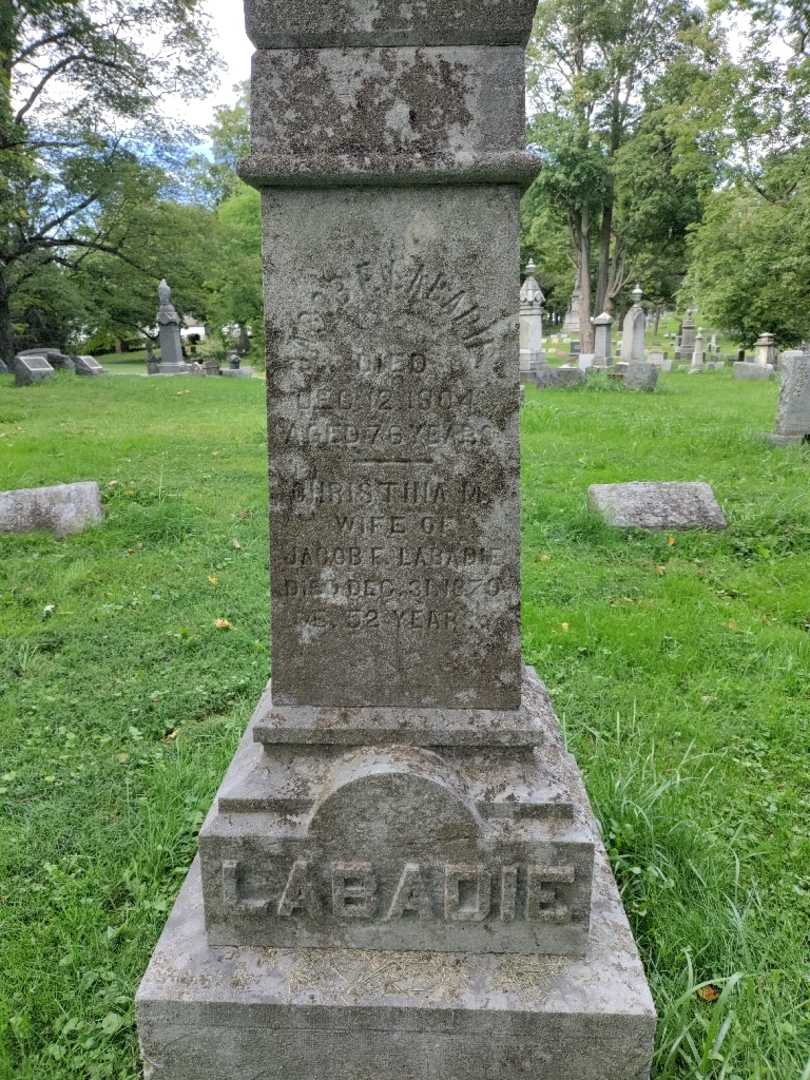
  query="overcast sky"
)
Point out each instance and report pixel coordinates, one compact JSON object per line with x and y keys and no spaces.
{"x":231,"y":42}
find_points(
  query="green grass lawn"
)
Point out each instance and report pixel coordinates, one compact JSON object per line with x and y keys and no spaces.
{"x":679,"y":666}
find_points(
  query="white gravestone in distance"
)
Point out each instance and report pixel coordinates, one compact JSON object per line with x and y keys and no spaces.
{"x":633,"y":330}
{"x":602,"y":343}
{"x":765,"y":351}
{"x":571,"y":321}
{"x":402,"y":791}
{"x":532,"y":357}
{"x":697,"y":354}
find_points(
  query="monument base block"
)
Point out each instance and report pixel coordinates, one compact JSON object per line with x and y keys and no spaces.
{"x":335,"y":1014}
{"x":173,"y":369}
{"x":787,"y":440}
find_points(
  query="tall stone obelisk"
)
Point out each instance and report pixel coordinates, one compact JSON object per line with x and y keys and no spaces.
{"x":400,"y":876}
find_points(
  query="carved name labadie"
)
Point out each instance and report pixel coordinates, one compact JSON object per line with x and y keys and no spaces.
{"x":466,"y":893}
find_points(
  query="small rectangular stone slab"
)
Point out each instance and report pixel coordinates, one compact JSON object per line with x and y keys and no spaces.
{"x":238,"y":373}
{"x":657,"y":505}
{"x":293,"y":24}
{"x":641,"y":377}
{"x":32,"y":369}
{"x":558,"y":378}
{"x":753,"y":372}
{"x":208,"y":1013}
{"x":63,"y":509}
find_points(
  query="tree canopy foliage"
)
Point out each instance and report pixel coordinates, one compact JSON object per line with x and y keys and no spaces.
{"x":84,"y":128}
{"x":677,"y":154}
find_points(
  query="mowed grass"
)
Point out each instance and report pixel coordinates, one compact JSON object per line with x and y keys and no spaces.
{"x":679,"y":665}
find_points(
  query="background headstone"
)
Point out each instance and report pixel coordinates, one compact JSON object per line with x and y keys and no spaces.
{"x":765,"y":351}
{"x":171,"y":347}
{"x":633,"y":330}
{"x":686,"y":346}
{"x":752,"y":371}
{"x":57,"y":359}
{"x":793,"y":411}
{"x":641,"y":377}
{"x":63,"y":509}
{"x":532,"y":357}
{"x":31,"y":369}
{"x":602,"y":346}
{"x":698,"y":353}
{"x":87,"y":365}
{"x":571,"y":321}
{"x":660,"y":505}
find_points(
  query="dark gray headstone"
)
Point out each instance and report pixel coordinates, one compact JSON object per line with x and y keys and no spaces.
{"x":88,"y":365}
{"x":30,"y":369}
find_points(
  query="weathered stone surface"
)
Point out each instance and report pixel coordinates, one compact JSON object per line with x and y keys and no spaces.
{"x":293,"y":24}
{"x":238,"y":373}
{"x":558,"y":377}
{"x":402,"y":847}
{"x":793,"y":411}
{"x":171,"y":347}
{"x":208,"y":1013}
{"x":401,"y":794}
{"x":63,"y":509}
{"x":393,"y":412}
{"x":633,"y":330}
{"x":388,"y":116}
{"x":30,"y":369}
{"x":686,"y":346}
{"x":57,"y":359}
{"x":752,"y":371}
{"x":641,"y":377}
{"x":658,"y":505}
{"x":88,"y":365}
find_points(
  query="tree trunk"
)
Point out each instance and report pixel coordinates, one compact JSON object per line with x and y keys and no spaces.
{"x":657,"y":320}
{"x":605,"y":237}
{"x":6,"y":332}
{"x":584,"y":259}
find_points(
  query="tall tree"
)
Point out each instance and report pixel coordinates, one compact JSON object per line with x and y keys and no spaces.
{"x":82,"y":83}
{"x":750,"y":268}
{"x":590,"y":65}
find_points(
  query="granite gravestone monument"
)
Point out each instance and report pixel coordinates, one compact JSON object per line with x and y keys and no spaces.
{"x":171,"y":347}
{"x":88,"y":365}
{"x":31,"y":369}
{"x":633,"y":330}
{"x":402,"y":792}
{"x":793,"y":412}
{"x":602,"y":340}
